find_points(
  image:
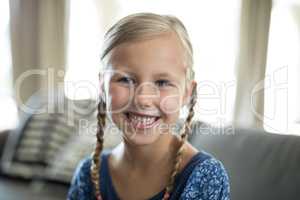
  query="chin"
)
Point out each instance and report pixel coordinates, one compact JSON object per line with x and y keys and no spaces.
{"x":140,"y":139}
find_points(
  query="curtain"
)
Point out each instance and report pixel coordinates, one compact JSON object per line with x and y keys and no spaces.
{"x":251,"y":63}
{"x":38,"y":43}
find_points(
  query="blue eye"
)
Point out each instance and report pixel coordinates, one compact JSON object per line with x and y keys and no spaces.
{"x":162,"y":83}
{"x":126,"y":80}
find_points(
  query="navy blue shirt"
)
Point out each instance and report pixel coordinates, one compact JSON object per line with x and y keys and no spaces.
{"x":203,"y":178}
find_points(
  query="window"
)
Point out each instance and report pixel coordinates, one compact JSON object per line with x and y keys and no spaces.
{"x":282,"y":92}
{"x":213,"y":27}
{"x":83,"y":59}
{"x":8,"y":115}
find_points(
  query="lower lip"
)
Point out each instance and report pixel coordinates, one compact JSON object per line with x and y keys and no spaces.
{"x":142,"y":126}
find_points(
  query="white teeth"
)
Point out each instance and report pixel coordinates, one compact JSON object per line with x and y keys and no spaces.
{"x":141,"y":120}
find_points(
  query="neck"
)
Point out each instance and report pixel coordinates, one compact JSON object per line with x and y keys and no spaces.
{"x":147,"y":157}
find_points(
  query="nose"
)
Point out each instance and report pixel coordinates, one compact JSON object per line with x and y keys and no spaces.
{"x":146,"y":95}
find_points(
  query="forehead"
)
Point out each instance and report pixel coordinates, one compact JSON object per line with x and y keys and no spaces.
{"x":162,"y":54}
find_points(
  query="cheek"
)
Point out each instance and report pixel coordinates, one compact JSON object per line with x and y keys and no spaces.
{"x":170,"y":104}
{"x":119,"y":98}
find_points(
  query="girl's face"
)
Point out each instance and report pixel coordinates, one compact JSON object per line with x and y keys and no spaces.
{"x":148,"y":87}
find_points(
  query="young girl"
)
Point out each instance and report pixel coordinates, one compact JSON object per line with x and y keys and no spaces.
{"x":150,"y":79}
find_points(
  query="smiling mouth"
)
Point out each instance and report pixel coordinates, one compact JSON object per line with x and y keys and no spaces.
{"x":139,"y":121}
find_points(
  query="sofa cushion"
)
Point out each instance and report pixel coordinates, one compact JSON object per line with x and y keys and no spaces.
{"x":49,"y":145}
{"x":45,"y":127}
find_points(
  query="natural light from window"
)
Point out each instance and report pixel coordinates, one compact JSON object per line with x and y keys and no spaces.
{"x":214,"y":34}
{"x":8,"y":116}
{"x":283,"y":68}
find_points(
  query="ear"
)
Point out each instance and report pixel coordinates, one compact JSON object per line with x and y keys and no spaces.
{"x":188,"y":92}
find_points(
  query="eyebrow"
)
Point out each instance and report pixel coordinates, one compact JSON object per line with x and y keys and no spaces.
{"x":158,"y":75}
{"x":166,"y":75}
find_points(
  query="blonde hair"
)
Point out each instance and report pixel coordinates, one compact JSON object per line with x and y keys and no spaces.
{"x":142,"y":26}
{"x":135,"y":27}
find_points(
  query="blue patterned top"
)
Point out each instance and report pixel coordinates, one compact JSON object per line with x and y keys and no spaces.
{"x":203,"y":178}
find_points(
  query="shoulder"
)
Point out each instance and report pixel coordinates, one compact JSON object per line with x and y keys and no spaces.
{"x":82,"y":170}
{"x":80,"y":187}
{"x":208,"y":180}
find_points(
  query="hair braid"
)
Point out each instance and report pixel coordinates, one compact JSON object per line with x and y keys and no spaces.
{"x":95,"y":166}
{"x":184,"y":135}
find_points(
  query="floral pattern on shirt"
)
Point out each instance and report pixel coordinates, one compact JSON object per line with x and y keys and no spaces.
{"x":208,"y":181}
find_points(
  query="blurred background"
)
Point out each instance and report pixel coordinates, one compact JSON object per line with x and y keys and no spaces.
{"x":247,"y":64}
